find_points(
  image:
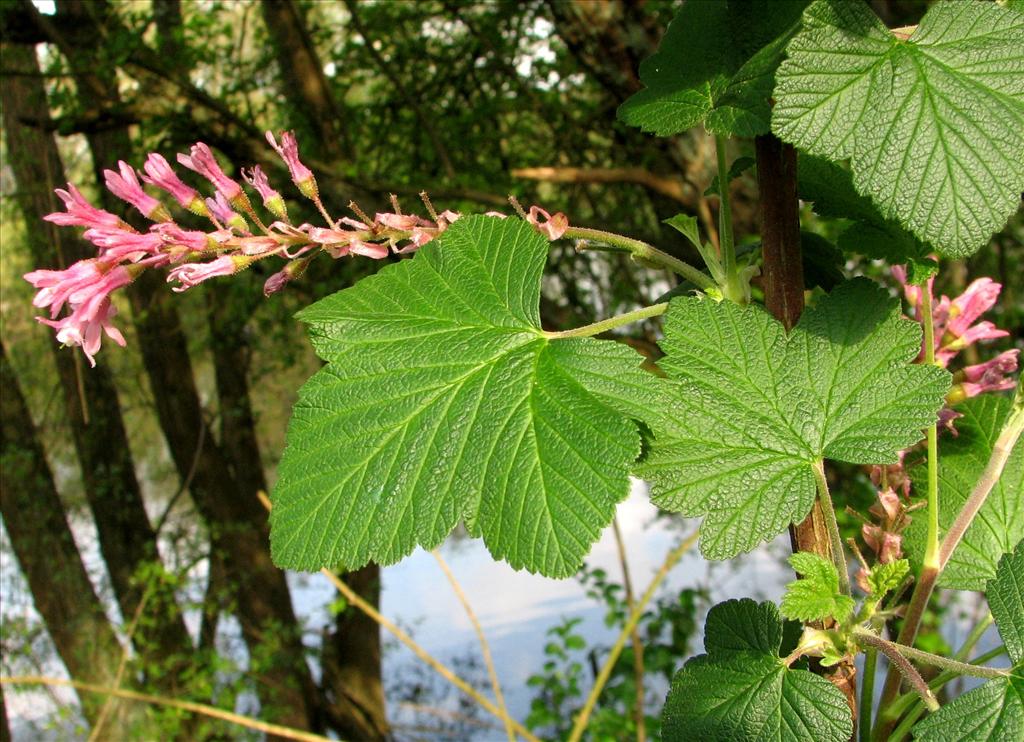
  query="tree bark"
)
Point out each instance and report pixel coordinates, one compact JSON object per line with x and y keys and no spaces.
{"x":45,"y":548}
{"x":126,"y":538}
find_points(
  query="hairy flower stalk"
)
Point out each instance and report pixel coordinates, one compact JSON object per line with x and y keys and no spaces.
{"x":191,"y":255}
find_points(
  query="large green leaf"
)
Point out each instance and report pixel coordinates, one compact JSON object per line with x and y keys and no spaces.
{"x":933,"y":126}
{"x":999,"y":525}
{"x":742,"y":690}
{"x":758,"y":409}
{"x":716,"y":66}
{"x":830,"y":187}
{"x":994,"y":711}
{"x":443,"y":400}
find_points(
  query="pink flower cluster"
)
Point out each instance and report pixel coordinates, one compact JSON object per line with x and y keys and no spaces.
{"x":230,"y":245}
{"x":956,"y":326}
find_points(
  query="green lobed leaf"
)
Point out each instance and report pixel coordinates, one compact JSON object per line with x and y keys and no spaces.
{"x":1000,"y":522}
{"x":758,"y":409}
{"x":742,"y":690}
{"x":995,"y":710}
{"x":716,"y":66}
{"x":443,"y":400}
{"x":829,"y":187}
{"x":933,"y":126}
{"x":816,"y":596}
{"x":887,"y":576}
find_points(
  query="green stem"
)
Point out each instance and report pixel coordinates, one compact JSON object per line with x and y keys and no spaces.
{"x":867,"y":693}
{"x":895,"y":709}
{"x":725,"y":239}
{"x":611,"y":323}
{"x":944,"y":663}
{"x":909,"y":700}
{"x":931,"y":551}
{"x":901,"y":663}
{"x":835,"y":539}
{"x":643,"y":251}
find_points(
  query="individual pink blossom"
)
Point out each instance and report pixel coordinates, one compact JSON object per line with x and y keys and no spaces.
{"x":116,"y":245}
{"x":172,"y":234}
{"x":977,"y":299}
{"x":991,"y":376}
{"x":202,"y":160}
{"x":271,"y":198}
{"x":160,"y":174}
{"x":368,"y":249}
{"x":81,"y":213}
{"x":341,"y":242}
{"x":222,"y":211}
{"x":401,"y":222}
{"x":552,"y":227}
{"x":125,"y":185}
{"x":193,"y":274}
{"x":288,"y":151}
{"x":86,"y":326}
{"x":290,"y":272}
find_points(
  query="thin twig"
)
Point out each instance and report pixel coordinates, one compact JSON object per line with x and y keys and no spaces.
{"x":196,"y":708}
{"x":902,"y":664}
{"x":638,"y":645}
{"x":122,"y":665}
{"x":606,"y":670}
{"x":485,"y":648}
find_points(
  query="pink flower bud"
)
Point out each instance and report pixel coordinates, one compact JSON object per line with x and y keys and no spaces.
{"x":80,"y":212}
{"x":126,"y":187}
{"x":222,"y":211}
{"x":271,"y":198}
{"x":288,"y":151}
{"x":991,"y":376}
{"x":160,"y":174}
{"x":201,"y":160}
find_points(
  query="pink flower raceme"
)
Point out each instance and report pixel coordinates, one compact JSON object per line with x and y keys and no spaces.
{"x":85,"y":287}
{"x":194,"y":256}
{"x":160,"y":174}
{"x":81,"y":213}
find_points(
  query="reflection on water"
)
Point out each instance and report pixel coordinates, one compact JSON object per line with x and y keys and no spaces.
{"x":516,"y":608}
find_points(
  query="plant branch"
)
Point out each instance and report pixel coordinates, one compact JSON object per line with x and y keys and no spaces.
{"x":834,"y":537}
{"x":485,"y":648}
{"x":196,"y":708}
{"x":943,"y":663}
{"x":634,"y":617}
{"x":611,"y":323}
{"x":932,"y":544}
{"x":1001,"y":451}
{"x":642,"y":251}
{"x":638,"y":645}
{"x":725,"y":239}
{"x":901,"y":663}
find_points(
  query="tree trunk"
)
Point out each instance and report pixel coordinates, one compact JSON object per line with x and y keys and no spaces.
{"x":42,"y":541}
{"x":305,"y":85}
{"x":126,"y":538}
{"x":237,"y":522}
